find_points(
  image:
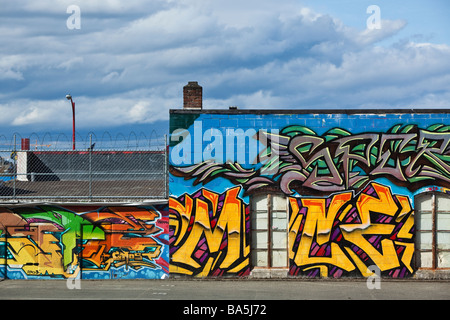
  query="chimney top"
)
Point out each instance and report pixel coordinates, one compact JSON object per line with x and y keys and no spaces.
{"x":192,"y":96}
{"x":192,"y":84}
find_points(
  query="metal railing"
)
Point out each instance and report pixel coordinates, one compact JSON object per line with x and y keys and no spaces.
{"x":120,"y":174}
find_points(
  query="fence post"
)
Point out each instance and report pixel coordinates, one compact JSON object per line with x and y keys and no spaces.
{"x":15,"y":168}
{"x":90,"y":167}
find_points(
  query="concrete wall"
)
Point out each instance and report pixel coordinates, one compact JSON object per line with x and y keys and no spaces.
{"x":84,"y":242}
{"x":349,"y":180}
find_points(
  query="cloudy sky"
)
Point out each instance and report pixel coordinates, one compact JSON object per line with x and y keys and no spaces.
{"x":125,"y":62}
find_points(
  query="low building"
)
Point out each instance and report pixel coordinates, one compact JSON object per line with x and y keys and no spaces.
{"x":308,"y":193}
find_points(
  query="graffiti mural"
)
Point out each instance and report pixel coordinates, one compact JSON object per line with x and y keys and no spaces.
{"x":346,"y":234}
{"x":350,"y":180}
{"x":209,"y":234}
{"x":87,"y":242}
{"x":339,"y":160}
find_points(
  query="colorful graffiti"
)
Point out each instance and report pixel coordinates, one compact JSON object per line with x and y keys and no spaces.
{"x":346,"y":234}
{"x":88,"y":242}
{"x":209,"y":234}
{"x":350,"y":181}
{"x":338,"y":160}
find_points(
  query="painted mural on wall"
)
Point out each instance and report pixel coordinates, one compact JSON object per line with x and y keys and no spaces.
{"x":209,"y":234}
{"x":350,"y":181}
{"x":84,"y":242}
{"x":339,"y":160}
{"x":346,"y":234}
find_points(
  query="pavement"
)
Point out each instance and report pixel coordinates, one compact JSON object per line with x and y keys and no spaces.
{"x":225,"y":289}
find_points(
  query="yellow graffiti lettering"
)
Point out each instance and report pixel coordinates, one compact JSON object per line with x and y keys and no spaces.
{"x":354,"y":233}
{"x":185,"y":211}
{"x":202,"y":218}
{"x":357,"y":241}
{"x":294,"y":224}
{"x":319,"y":223}
{"x":39,"y":258}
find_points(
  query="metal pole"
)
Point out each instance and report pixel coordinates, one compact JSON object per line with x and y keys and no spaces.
{"x":90,"y":166}
{"x":73,"y":124}
{"x":15,"y":168}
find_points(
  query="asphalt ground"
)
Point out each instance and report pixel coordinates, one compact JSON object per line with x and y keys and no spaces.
{"x":245,"y":290}
{"x":224,"y":299}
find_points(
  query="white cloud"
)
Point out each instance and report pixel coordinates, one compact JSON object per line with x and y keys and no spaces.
{"x":71,"y":63}
{"x":97,"y":113}
{"x":128,"y":62}
{"x":10,"y":68}
{"x":28,"y":112}
{"x":369,"y":36}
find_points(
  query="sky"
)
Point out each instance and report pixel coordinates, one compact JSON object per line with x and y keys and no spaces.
{"x":125,"y":62}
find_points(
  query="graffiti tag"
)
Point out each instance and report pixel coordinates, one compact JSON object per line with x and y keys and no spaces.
{"x":346,"y":234}
{"x":338,"y":160}
{"x":209,"y":234}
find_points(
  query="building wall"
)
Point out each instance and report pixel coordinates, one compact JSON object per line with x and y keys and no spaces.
{"x":84,"y":242}
{"x":349,"y":180}
{"x":315,"y":195}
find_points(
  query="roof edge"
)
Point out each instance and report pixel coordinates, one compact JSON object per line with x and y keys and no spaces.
{"x":304,"y":111}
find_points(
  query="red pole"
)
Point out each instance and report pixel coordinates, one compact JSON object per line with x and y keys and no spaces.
{"x":73,"y":124}
{"x":69,"y":97}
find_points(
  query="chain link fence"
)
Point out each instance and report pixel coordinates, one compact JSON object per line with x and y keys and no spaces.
{"x":128,"y":171}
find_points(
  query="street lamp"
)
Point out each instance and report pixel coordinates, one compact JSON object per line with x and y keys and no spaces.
{"x":69,"y":97}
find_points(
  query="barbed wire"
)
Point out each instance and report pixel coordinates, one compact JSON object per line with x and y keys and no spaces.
{"x":104,"y":141}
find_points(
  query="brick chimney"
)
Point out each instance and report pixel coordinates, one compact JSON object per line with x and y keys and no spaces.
{"x":192,"y":96}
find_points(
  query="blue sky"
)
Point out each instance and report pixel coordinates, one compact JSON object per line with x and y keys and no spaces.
{"x":426,"y":20}
{"x":127,"y":62}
